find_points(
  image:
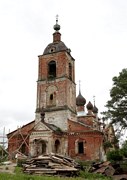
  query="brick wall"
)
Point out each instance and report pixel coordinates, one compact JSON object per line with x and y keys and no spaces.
{"x":16,"y":140}
{"x":92,"y":142}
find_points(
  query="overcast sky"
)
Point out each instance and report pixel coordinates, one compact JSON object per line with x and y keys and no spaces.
{"x":94,"y":30}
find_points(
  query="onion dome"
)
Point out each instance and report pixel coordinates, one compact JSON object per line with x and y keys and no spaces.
{"x":89,"y":106}
{"x":80,"y":100}
{"x":95,"y":110}
{"x":56,"y":27}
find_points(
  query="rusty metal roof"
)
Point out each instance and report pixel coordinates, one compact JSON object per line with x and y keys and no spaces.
{"x":55,"y":47}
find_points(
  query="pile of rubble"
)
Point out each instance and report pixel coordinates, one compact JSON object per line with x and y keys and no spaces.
{"x":104,"y":168}
{"x":108,"y":169}
{"x":52,"y":164}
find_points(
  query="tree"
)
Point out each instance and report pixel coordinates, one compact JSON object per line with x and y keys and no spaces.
{"x":117,"y":105}
{"x":114,"y":155}
{"x":124,"y":149}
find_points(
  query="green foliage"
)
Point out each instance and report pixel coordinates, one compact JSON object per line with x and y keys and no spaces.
{"x":20,"y":162}
{"x":123,"y":165}
{"x":107,"y":144}
{"x":3,"y":158}
{"x":5,"y":176}
{"x":18,"y":170}
{"x":3,"y":155}
{"x":85,"y":165}
{"x":88,"y":176}
{"x":59,"y":130}
{"x":19,"y":175}
{"x":114,"y":155}
{"x":116,"y":140}
{"x":93,"y":176}
{"x":117,"y":105}
{"x":124,"y":149}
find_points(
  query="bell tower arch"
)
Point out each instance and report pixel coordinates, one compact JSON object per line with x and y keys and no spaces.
{"x":52,"y":69}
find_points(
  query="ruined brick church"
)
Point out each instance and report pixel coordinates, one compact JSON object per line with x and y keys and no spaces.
{"x":61,"y":125}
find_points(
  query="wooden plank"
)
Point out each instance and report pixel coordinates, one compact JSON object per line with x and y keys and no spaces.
{"x":57,"y":169}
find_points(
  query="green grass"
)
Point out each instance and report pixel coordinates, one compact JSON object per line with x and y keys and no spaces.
{"x":4,"y":176}
{"x":21,"y":176}
{"x":93,"y":176}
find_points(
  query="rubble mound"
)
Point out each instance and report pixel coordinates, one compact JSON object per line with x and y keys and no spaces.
{"x":109,"y":169}
{"x":51,"y":164}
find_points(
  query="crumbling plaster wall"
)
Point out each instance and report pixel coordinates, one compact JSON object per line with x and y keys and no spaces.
{"x":49,"y":138}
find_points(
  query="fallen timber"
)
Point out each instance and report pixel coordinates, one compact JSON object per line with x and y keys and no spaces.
{"x":51,"y":164}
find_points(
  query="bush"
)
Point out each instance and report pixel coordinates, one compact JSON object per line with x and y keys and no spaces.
{"x":84,"y":165}
{"x":93,"y":176}
{"x":107,"y":144}
{"x":114,"y":155}
{"x":124,"y":149}
{"x":20,"y":162}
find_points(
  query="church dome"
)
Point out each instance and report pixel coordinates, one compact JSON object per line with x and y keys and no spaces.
{"x":95,"y":109}
{"x":56,"y":26}
{"x":56,"y":47}
{"x":80,"y":100}
{"x":89,"y":106}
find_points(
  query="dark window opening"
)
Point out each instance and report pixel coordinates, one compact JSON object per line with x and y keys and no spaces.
{"x":70,"y":71}
{"x":52,"y":49}
{"x":80,"y":148}
{"x":51,"y":97}
{"x":57,"y":145}
{"x":52,"y":69}
{"x":23,"y":149}
{"x":43,"y":147}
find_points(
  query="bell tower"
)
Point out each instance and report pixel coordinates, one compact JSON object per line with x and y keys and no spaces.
{"x":56,"y":88}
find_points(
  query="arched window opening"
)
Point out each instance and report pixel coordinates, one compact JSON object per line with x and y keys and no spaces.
{"x":43,"y":147}
{"x":80,"y":148}
{"x":70,"y":71}
{"x":57,"y":145}
{"x":23,"y":149}
{"x":51,"y":97}
{"x":52,"y":69}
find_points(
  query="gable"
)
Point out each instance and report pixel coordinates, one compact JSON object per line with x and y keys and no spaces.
{"x":24,"y":129}
{"x":41,"y":127}
{"x":78,"y":126}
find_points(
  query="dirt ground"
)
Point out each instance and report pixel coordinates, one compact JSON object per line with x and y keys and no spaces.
{"x":8,"y":168}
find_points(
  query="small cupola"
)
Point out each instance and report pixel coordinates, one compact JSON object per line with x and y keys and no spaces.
{"x":80,"y":100}
{"x":56,"y":34}
{"x":89,"y":107}
{"x":95,"y":109}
